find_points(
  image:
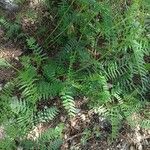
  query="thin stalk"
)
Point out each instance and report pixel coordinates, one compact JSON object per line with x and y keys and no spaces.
{"x":46,"y":41}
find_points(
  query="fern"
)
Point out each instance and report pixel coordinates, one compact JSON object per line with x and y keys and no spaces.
{"x":47,"y":114}
{"x":4,"y":23}
{"x":48,"y":90}
{"x":12,"y":29}
{"x":98,"y":83}
{"x":138,"y":48}
{"x":23,"y":115}
{"x":115,"y":118}
{"x":53,"y":133}
{"x":39,"y":56}
{"x":52,"y":70}
{"x":145,"y":123}
{"x":68,"y":103}
{"x":7,"y":90}
{"x":5,"y":97}
{"x":18,"y":106}
{"x":26,"y":83}
{"x":140,"y":66}
{"x":52,"y":137}
{"x":101,"y":51}
{"x":7,"y":144}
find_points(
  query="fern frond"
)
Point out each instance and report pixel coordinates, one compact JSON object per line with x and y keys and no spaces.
{"x":145,"y":123}
{"x":99,"y":84}
{"x":26,"y":83}
{"x":100,"y":110}
{"x":47,"y":114}
{"x":5,"y":99}
{"x":51,"y":138}
{"x":70,"y":69}
{"x":68,"y":103}
{"x":4,"y":23}
{"x":12,"y":29}
{"x":7,"y":144}
{"x":49,"y":71}
{"x":18,"y":106}
{"x":22,"y":116}
{"x":52,"y":133}
{"x":37,"y":51}
{"x":70,"y":47}
{"x":48,"y":90}
{"x":140,"y":65}
{"x":115,"y":118}
{"x":7,"y":90}
{"x":45,"y":91}
{"x":116,"y":93}
{"x":130,"y":105}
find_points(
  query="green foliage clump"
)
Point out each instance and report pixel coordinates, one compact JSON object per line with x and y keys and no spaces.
{"x":100,"y":51}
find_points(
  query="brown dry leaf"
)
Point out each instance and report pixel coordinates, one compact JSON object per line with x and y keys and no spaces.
{"x":73,"y":122}
{"x":83,"y":117}
{"x":10,"y":53}
{"x":36,"y":132}
{"x":65,"y":146}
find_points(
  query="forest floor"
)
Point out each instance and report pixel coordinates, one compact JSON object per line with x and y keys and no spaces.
{"x":74,"y":134}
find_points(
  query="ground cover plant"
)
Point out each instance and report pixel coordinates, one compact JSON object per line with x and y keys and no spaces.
{"x":76,"y":49}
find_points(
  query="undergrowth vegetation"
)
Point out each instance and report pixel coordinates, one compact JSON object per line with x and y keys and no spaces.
{"x":82,"y":48}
